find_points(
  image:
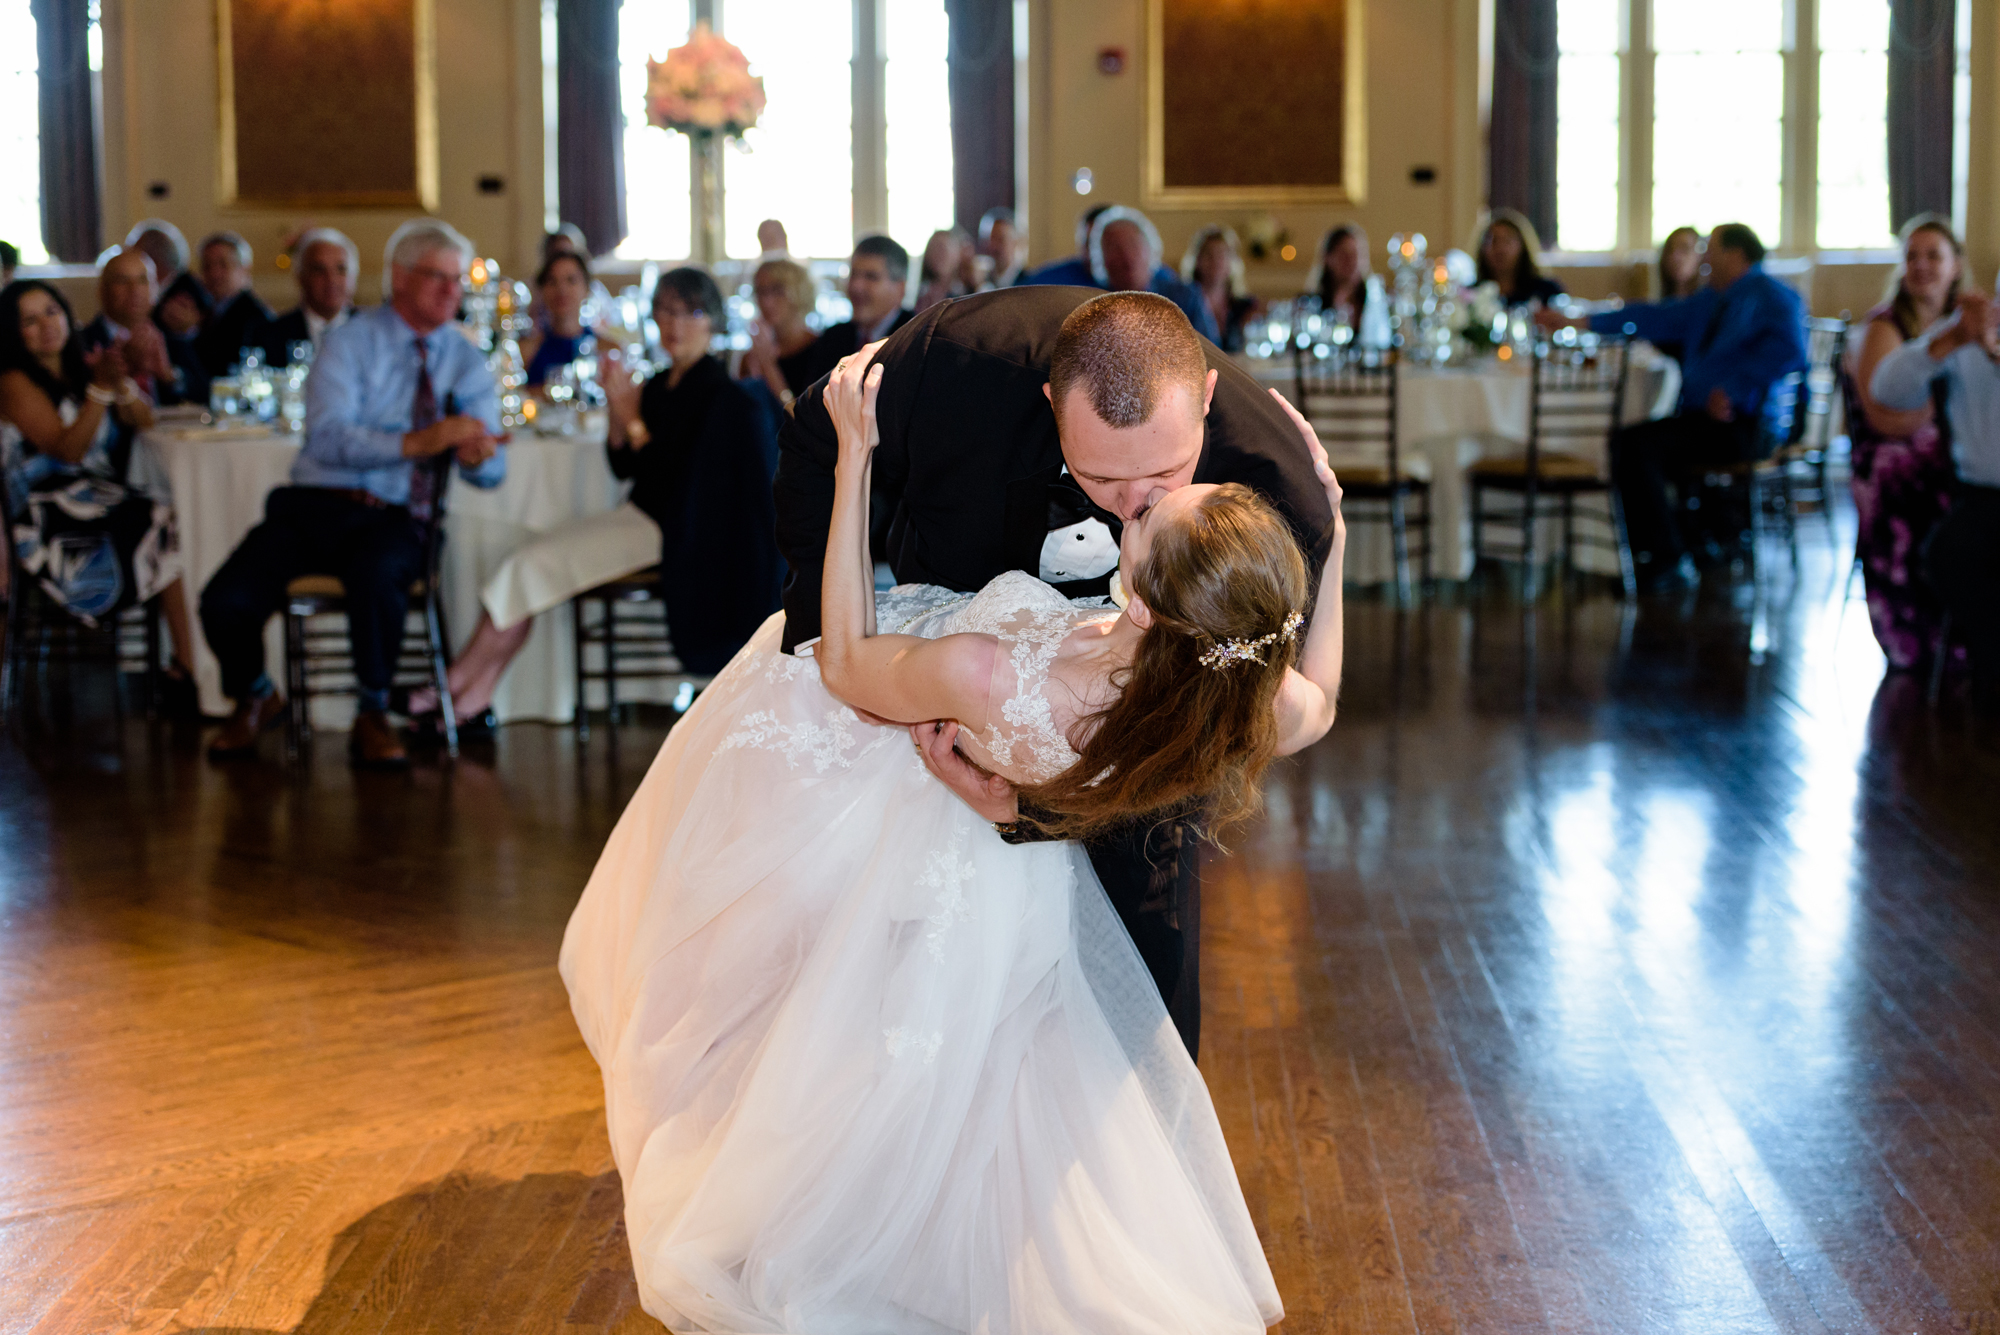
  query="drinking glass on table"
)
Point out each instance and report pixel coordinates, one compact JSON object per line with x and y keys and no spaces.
{"x":225,"y":397}
{"x":561,"y":390}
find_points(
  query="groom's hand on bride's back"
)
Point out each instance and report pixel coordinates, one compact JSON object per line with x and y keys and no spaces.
{"x":985,"y":792}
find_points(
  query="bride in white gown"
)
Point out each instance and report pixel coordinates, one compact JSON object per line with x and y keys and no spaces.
{"x":870,"y":1070}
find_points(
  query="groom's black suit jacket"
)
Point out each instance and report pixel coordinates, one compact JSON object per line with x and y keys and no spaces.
{"x":970,"y":469}
{"x":969,"y":453}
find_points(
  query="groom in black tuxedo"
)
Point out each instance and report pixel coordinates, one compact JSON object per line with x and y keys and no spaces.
{"x":983,"y":474}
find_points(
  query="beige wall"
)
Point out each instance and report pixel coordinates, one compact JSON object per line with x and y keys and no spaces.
{"x":1422,"y":81}
{"x":160,"y":119}
{"x":1424,"y":66}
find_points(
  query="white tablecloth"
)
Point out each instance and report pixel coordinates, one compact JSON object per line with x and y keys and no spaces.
{"x":1452,"y":418}
{"x":220,"y":480}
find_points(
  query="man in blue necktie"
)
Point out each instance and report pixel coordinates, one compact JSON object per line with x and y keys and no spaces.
{"x":1740,"y":336}
{"x":396,"y":396}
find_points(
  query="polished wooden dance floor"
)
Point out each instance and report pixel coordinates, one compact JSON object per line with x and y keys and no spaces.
{"x":1605,"y":973}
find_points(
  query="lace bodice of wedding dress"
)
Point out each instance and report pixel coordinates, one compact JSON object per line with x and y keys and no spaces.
{"x":870,"y":1070}
{"x":1024,"y":738}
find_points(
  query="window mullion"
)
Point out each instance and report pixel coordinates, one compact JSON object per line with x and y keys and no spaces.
{"x":871,"y":121}
{"x":1798,"y":231}
{"x":1636,"y":128}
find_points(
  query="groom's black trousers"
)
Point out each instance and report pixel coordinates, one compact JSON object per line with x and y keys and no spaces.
{"x":1152,"y":875}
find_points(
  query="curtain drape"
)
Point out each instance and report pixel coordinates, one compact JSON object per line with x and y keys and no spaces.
{"x":1922,"y":52}
{"x":590,"y":123}
{"x":1521,"y":137}
{"x":72,"y":226}
{"x":980,"y":69}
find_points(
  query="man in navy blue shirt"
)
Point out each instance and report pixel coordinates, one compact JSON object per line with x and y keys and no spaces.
{"x":392,"y":390}
{"x":1741,"y":336}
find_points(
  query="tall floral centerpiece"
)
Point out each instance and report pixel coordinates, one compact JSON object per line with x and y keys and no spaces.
{"x":704,"y":90}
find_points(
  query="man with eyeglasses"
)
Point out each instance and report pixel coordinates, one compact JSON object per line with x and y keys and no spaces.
{"x":393,"y":390}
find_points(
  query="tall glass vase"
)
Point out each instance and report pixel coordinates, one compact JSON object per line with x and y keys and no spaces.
{"x":705,"y":189}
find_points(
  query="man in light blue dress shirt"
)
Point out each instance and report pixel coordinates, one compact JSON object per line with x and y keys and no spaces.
{"x":393,"y":390}
{"x":1962,"y":558}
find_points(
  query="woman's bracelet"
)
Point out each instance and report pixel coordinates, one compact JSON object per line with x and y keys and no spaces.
{"x":98,"y":394}
{"x":130,"y":394}
{"x":786,"y":398}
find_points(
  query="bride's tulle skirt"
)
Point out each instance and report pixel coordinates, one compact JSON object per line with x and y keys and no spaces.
{"x":869,"y":1069}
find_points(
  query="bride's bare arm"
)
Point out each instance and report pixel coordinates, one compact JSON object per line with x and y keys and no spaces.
{"x":901,"y":677}
{"x":1310,"y":694}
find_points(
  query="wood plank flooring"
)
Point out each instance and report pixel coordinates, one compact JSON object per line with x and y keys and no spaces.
{"x":1602,"y":972}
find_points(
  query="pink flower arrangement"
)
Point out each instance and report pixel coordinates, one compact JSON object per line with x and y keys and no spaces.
{"x":704,"y":87}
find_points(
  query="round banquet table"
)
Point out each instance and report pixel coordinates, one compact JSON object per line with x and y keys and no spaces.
{"x":1450,"y":418}
{"x":221,"y":475}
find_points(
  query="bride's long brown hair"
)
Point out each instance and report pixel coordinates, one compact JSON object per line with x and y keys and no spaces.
{"x":1181,"y":733}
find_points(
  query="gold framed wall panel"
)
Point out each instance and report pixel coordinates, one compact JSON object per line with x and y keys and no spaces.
{"x":327,"y":104}
{"x":1289,"y":100}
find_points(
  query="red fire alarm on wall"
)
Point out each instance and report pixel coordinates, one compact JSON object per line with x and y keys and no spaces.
{"x":1111,"y":60}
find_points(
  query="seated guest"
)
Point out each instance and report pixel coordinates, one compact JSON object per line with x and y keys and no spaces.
{"x":92,"y":517}
{"x":179,"y":314}
{"x":163,"y":244}
{"x":1680,"y":273}
{"x":972,"y":266}
{"x":396,"y":396}
{"x":938,"y":276}
{"x":561,"y":287}
{"x":1743,"y":335}
{"x":1962,"y":558}
{"x":1214,"y":266}
{"x":125,"y":296}
{"x":1134,"y":242}
{"x":1125,"y":257}
{"x":1074,"y":271}
{"x":240,"y":319}
{"x":1901,"y":472}
{"x":1000,"y":243}
{"x":1510,"y":256}
{"x":567,"y":239}
{"x":772,"y":242}
{"x":327,"y":266}
{"x":781,"y":341}
{"x":702,"y":454}
{"x":10,"y":260}
{"x":878,"y":273}
{"x":1680,"y":265}
{"x":1350,"y":297}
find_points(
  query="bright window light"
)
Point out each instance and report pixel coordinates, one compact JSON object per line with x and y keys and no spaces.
{"x":657,"y":211}
{"x":1854,"y":125}
{"x":1718,"y":115}
{"x":20,"y":134}
{"x":800,"y":165}
{"x":1587,"y":113}
{"x":919,"y":115}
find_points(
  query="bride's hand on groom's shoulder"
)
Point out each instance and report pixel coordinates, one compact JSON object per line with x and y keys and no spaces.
{"x":851,"y":390}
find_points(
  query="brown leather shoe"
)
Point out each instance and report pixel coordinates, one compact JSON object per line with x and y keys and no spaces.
{"x":250,"y":721}
{"x":374,"y":745}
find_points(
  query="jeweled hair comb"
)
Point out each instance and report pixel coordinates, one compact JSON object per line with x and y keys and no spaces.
{"x":1250,"y":651}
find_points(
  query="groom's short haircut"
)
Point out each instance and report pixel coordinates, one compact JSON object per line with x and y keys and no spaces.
{"x":894,"y":258}
{"x":1124,"y":350}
